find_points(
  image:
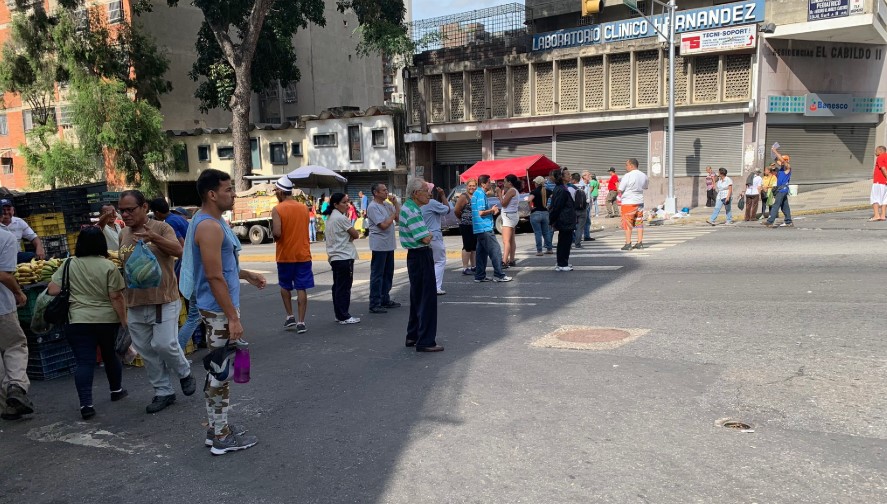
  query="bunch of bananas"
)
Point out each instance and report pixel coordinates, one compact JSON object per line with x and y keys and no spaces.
{"x":36,"y":271}
{"x":114,"y":256}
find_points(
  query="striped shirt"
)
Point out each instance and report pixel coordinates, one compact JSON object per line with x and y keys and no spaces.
{"x":412,"y":226}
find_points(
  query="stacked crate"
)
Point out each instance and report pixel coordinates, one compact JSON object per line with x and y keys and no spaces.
{"x":58,"y":215}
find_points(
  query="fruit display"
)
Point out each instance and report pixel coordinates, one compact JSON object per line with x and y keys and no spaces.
{"x":37,"y":270}
{"x":114,"y":256}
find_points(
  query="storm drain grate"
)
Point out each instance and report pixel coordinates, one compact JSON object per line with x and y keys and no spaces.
{"x":588,"y":338}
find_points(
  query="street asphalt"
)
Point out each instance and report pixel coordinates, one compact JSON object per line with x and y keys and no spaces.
{"x":781,"y":329}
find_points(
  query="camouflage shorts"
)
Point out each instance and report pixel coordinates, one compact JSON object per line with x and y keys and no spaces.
{"x":217,"y":392}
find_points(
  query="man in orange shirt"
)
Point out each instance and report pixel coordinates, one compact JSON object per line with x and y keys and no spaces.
{"x":289,"y":225}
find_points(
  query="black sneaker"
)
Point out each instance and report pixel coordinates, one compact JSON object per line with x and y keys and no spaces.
{"x":300,"y":328}
{"x":627,"y":246}
{"x":638,"y":245}
{"x":232,"y":442}
{"x":189,"y":385}
{"x":160,"y":402}
{"x":378,"y":309}
{"x":120,"y":394}
{"x":289,"y":322}
{"x":17,"y":398}
{"x":391,"y":304}
{"x":10,"y":413}
{"x":87,"y":412}
{"x":237,"y":430}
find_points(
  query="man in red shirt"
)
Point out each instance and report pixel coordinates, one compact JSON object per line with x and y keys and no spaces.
{"x":878,"y":198}
{"x":612,"y":192}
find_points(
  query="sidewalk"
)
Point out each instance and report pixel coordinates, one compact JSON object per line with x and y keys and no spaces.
{"x":838,"y":198}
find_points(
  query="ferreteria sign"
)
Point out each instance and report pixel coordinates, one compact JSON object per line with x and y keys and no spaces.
{"x":706,"y":18}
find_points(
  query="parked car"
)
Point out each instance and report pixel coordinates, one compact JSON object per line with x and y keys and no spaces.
{"x":450,"y":222}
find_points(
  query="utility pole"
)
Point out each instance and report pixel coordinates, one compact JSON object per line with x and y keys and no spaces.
{"x":671,"y":7}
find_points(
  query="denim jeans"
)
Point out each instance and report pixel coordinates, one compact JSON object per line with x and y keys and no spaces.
{"x":83,"y":339}
{"x":381,"y":277}
{"x":191,"y":324}
{"x":588,"y":222}
{"x":312,"y":230}
{"x":595,"y":206}
{"x":722,"y":203}
{"x":580,"y":225}
{"x":539,"y":221}
{"x":488,"y":247}
{"x":781,"y":203}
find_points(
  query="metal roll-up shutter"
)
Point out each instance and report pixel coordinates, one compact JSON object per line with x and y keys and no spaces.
{"x":519,"y":147}
{"x":363,"y":181}
{"x":597,"y":151}
{"x":461,"y":152}
{"x":826,"y":153}
{"x":715,"y":145}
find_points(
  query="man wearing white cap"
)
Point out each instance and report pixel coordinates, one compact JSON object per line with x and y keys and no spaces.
{"x":289,"y":225}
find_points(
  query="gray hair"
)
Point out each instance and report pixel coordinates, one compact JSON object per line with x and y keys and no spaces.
{"x":416,"y":184}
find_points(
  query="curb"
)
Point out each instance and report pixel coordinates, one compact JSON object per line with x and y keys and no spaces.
{"x":810,"y":211}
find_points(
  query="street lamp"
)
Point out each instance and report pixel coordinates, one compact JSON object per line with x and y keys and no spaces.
{"x":671,"y":7}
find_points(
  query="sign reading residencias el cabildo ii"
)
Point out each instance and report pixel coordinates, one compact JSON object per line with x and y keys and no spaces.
{"x":706,"y":18}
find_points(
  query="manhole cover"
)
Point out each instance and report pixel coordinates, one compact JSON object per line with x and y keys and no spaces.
{"x":589,"y":338}
{"x":593,"y":335}
{"x":735,"y":425}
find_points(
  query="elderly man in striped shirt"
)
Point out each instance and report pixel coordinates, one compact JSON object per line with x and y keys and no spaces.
{"x":415,"y":237}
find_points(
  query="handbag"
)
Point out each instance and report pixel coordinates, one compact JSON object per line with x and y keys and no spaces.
{"x":56,"y":312}
{"x":741,"y":203}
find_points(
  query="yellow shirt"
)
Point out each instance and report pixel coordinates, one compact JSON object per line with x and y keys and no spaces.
{"x":768,"y":182}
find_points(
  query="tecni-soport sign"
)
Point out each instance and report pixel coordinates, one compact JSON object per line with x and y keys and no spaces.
{"x":706,"y":18}
{"x":828,"y":105}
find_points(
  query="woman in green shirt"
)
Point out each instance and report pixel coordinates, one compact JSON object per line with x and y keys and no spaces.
{"x":96,"y":311}
{"x":595,"y":188}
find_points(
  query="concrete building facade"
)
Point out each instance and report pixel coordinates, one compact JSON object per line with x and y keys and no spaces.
{"x":332,"y":75}
{"x":591,"y":92}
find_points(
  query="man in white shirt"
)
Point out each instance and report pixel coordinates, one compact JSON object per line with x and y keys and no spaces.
{"x":631,"y":188}
{"x":14,"y":381}
{"x":108,"y":224}
{"x":20,"y":229}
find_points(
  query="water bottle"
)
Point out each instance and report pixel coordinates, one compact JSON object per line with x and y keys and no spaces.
{"x":241,"y":362}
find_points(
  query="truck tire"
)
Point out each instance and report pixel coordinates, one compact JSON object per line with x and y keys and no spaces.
{"x":242,"y":232}
{"x":257,"y":235}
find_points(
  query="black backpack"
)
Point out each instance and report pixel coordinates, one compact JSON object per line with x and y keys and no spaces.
{"x":580,"y":199}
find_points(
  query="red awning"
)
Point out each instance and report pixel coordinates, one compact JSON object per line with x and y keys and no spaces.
{"x":527,"y":166}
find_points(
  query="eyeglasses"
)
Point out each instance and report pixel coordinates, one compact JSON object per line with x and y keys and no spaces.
{"x":124,"y":211}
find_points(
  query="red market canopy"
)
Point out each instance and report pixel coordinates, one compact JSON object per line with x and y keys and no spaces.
{"x":527,"y":166}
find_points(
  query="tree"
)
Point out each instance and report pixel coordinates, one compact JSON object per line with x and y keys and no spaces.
{"x":246,"y":45}
{"x":117,"y":77}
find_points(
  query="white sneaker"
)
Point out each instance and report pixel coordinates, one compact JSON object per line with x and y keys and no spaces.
{"x":505,"y":278}
{"x":352,"y":320}
{"x":564,"y":268}
{"x":441,"y":292}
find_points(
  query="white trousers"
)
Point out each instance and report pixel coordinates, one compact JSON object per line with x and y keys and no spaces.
{"x":439,"y":252}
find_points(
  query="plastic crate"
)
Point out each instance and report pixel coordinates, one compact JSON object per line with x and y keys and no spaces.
{"x":56,"y":246}
{"x":47,"y":224}
{"x":26,"y":312}
{"x":47,"y":361}
{"x":56,"y":333}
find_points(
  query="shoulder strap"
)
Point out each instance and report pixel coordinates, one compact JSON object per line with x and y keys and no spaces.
{"x":65,"y":281}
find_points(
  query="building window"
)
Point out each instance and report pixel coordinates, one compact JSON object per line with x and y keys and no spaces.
{"x":325,"y":140}
{"x":65,"y":115}
{"x":354,"y":153}
{"x":278,"y":153}
{"x":115,"y":12}
{"x":7,"y":165}
{"x":297,"y":149}
{"x":379,"y":137}
{"x":81,"y":19}
{"x":28,"y":120}
{"x":181,"y":158}
{"x":225,"y":152}
{"x":290,"y":95}
{"x":4,"y":125}
{"x":203,"y":153}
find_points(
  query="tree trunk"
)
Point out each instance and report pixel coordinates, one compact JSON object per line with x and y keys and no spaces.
{"x":240,"y":108}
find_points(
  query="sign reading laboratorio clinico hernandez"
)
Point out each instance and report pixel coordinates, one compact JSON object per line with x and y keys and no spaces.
{"x":706,"y":18}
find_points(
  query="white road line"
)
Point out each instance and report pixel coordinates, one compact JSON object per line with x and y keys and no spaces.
{"x":509,"y":297}
{"x":577,"y":268}
{"x":487,"y":303}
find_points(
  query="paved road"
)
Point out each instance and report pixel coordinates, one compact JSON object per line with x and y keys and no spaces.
{"x":779,"y":328}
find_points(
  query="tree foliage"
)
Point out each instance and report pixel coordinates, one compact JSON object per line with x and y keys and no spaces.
{"x":116,"y":76}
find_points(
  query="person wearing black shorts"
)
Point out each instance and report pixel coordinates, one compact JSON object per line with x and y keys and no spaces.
{"x":466,"y":228}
